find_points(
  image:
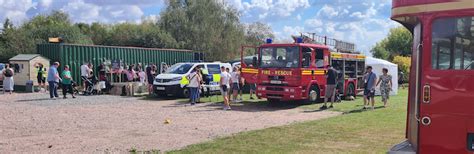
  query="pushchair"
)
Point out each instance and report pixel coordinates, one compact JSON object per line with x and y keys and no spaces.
{"x":90,"y":86}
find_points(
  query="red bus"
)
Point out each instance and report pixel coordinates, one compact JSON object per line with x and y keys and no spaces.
{"x":296,"y":71}
{"x":440,"y":117}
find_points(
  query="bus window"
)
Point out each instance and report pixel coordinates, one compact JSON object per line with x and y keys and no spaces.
{"x":319,"y":58}
{"x":453,"y":44}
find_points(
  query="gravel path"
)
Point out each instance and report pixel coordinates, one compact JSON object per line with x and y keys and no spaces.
{"x":91,"y":124}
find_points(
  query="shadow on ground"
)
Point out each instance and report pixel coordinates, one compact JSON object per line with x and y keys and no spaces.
{"x":362,"y":110}
{"x":34,"y":100}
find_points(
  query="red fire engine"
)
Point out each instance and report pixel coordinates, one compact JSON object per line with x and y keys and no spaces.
{"x":296,"y":71}
{"x":440,"y":117}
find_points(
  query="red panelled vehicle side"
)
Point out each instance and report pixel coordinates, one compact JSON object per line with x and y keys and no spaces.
{"x":440,"y":117}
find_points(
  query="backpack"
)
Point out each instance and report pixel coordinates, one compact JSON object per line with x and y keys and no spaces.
{"x":8,"y":73}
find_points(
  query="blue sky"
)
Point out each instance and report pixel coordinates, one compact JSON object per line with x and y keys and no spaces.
{"x":363,"y":22}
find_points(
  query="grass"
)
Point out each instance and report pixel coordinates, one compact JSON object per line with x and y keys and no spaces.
{"x":356,"y":131}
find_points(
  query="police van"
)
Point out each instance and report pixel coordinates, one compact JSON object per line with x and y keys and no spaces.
{"x":173,"y":81}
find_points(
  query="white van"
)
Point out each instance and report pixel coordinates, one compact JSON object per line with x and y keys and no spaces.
{"x":168,"y":83}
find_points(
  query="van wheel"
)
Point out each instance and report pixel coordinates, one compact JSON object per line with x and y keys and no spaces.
{"x":314,"y":95}
{"x":185,"y":92}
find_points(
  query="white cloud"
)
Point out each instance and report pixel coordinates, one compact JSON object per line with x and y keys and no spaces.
{"x":313,"y":23}
{"x":15,"y":10}
{"x":95,"y":10}
{"x":369,"y":13}
{"x":267,"y":9}
{"x":296,"y":30}
{"x":82,"y":12}
{"x":328,"y":11}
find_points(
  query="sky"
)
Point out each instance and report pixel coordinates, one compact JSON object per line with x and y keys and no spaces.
{"x":363,"y":22}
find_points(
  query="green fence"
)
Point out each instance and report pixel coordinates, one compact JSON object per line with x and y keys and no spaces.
{"x":76,"y":55}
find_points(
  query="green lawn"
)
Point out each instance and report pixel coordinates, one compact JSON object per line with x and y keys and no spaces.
{"x":356,"y":131}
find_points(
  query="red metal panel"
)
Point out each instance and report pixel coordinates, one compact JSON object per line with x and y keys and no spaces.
{"x":399,"y":3}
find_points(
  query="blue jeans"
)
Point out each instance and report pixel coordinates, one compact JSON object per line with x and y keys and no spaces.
{"x":53,"y":89}
{"x":194,"y":93}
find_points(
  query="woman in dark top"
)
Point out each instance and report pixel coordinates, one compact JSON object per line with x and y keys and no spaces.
{"x":150,"y":77}
{"x":101,"y":70}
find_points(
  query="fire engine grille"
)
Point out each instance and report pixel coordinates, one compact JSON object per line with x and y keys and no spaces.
{"x":275,"y":89}
{"x":274,"y":96}
{"x":281,"y":78}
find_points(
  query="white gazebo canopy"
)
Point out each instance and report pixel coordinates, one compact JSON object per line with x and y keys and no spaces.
{"x":377,"y":66}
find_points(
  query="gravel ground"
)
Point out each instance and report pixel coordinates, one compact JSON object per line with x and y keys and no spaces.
{"x":96,"y":124}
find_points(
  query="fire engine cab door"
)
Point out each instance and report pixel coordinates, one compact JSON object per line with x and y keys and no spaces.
{"x":249,"y":63}
{"x":447,"y":87}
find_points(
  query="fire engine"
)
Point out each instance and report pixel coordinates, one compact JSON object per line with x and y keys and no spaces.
{"x":440,"y":112}
{"x":296,"y":71}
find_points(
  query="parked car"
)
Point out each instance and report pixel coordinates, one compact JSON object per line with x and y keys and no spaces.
{"x":169,"y":83}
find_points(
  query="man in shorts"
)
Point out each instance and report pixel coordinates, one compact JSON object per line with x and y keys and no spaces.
{"x":85,"y":72}
{"x":235,"y":77}
{"x":331,"y":76}
{"x":224,"y":84}
{"x":369,"y":87}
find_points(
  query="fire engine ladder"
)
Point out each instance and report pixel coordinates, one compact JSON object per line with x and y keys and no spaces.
{"x":339,"y":45}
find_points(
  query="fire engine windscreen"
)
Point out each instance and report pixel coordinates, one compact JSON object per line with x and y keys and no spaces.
{"x":279,"y":57}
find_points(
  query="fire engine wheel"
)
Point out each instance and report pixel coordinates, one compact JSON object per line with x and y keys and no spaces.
{"x":313,"y":95}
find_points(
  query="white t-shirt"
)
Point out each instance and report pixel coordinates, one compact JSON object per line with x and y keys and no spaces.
{"x":235,"y":77}
{"x":142,"y":76}
{"x":85,"y":70}
{"x":225,"y":78}
{"x":193,"y":80}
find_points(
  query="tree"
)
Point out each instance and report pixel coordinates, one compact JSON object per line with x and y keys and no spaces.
{"x":256,"y":33}
{"x":23,"y":39}
{"x":398,"y":42}
{"x":380,"y":50}
{"x":208,"y":26}
{"x":57,"y":24}
{"x":404,"y":64}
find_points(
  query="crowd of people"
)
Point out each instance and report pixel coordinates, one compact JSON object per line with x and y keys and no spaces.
{"x":51,"y":79}
{"x":230,"y":85}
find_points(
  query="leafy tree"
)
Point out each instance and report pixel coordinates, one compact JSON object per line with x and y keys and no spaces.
{"x":256,"y":33}
{"x":404,"y":64}
{"x":206,"y":25}
{"x":57,"y":24}
{"x":380,"y":50}
{"x":14,"y":41}
{"x":398,"y":42}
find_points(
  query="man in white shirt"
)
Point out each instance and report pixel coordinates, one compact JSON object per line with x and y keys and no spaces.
{"x":224,"y":83}
{"x":85,"y":71}
{"x":235,"y":76}
{"x":194,"y":83}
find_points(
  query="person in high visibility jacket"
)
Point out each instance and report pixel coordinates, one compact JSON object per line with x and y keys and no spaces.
{"x":41,"y":74}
